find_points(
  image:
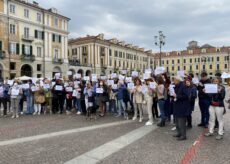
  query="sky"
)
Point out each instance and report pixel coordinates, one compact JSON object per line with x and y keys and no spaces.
{"x":138,"y":21}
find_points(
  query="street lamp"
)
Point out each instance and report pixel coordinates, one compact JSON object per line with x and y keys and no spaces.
{"x":160,"y":41}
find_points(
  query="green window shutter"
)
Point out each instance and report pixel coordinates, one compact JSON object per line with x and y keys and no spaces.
{"x":59,"y":38}
{"x":0,"y":45}
{"x":23,"y":49}
{"x":53,"y":37}
{"x":36,"y":34}
{"x":17,"y":48}
{"x":43,"y":35}
{"x":31,"y":50}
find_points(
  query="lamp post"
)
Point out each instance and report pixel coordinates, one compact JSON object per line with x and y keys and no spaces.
{"x":160,"y":41}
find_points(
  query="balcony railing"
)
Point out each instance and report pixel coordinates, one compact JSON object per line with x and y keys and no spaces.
{"x":2,"y":54}
{"x":28,"y":38}
{"x":77,"y":63}
{"x":57,"y":61}
{"x":30,"y":58}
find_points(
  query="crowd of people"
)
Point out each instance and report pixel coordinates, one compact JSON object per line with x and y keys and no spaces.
{"x":159,"y":95}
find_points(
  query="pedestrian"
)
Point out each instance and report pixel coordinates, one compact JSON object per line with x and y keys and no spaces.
{"x":3,"y":97}
{"x":39,"y":98}
{"x":29,"y":98}
{"x":181,"y":108}
{"x":216,"y":110}
{"x":120,"y":99}
{"x":58,"y":91}
{"x":148,"y":97}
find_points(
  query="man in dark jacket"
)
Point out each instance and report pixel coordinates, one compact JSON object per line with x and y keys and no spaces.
{"x":181,"y":107}
{"x":204,"y":100}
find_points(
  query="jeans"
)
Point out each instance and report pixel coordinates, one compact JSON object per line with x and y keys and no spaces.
{"x":204,"y":108}
{"x":161,"y":104}
{"x":112,"y":106}
{"x":121,"y":107}
{"x":29,"y":102}
{"x":78,"y":105}
{"x":3,"y":101}
{"x":69,"y":104}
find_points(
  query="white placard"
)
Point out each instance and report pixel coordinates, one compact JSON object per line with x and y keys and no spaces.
{"x":149,"y":71}
{"x":131,"y":85}
{"x":181,"y":73}
{"x":10,"y":82}
{"x":69,"y":89}
{"x":134,"y":74}
{"x":121,"y":77}
{"x":57,"y":75}
{"x":152,"y":85}
{"x":144,"y":89}
{"x":34,"y":80}
{"x":211,"y":88}
{"x":159,"y":70}
{"x":46,"y":86}
{"x":25,"y":86}
{"x":110,"y":82}
{"x":15,"y":92}
{"x":58,"y":88}
{"x":115,"y":86}
{"x":86,"y":78}
{"x":124,"y":72}
{"x":94,"y":77}
{"x":128,"y":79}
{"x":146,"y":76}
{"x":78,"y":76}
{"x":34,"y":88}
{"x":69,"y":73}
{"x":99,"y":90}
{"x":113,"y":75}
{"x":53,"y":83}
{"x":171,"y":90}
{"x":103,"y":77}
{"x":195,"y":80}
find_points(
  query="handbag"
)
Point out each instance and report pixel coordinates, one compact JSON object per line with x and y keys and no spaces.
{"x":40,"y":99}
{"x":213,"y":103}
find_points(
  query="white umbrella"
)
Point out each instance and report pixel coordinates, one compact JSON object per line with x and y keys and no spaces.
{"x":24,"y":78}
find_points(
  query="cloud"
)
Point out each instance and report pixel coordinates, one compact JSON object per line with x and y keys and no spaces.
{"x":138,"y":21}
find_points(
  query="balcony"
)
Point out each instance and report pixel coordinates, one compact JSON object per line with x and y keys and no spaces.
{"x":28,"y":58}
{"x":2,"y":54}
{"x":28,"y":38}
{"x":57,"y":61}
{"x":77,"y":63}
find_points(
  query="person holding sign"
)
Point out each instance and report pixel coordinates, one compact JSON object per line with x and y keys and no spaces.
{"x":48,"y":96}
{"x":137,"y":99}
{"x":217,"y":110}
{"x":102,"y":97}
{"x":58,"y":97}
{"x":69,"y":98}
{"x":77,"y":95}
{"x":15,"y":93}
{"x":4,"y":89}
{"x":29,"y":98}
{"x":181,"y":107}
{"x":39,"y":98}
{"x":120,"y":100}
{"x":204,"y":100}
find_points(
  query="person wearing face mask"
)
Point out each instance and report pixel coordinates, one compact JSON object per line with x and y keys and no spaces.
{"x":3,"y":97}
{"x":15,"y":93}
{"x":217,"y":109}
{"x":29,"y":98}
{"x":120,"y":100}
{"x":58,"y":91}
{"x":39,"y":98}
{"x":101,"y":98}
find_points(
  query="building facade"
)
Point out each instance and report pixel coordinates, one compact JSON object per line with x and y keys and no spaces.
{"x":33,"y":40}
{"x":95,"y":54}
{"x":197,"y":59}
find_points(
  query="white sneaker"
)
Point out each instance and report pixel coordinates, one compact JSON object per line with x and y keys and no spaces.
{"x":173,"y":129}
{"x":134,"y":118}
{"x":78,"y":113}
{"x":148,"y":123}
{"x":17,"y":116}
{"x":39,"y":113}
{"x":13,"y":117}
{"x":140,"y":120}
{"x":21,"y":113}
{"x":34,"y":113}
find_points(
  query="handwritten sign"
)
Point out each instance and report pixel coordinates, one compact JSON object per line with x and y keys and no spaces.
{"x":110,"y":82}
{"x":77,"y":76}
{"x":144,"y":89}
{"x":99,"y":90}
{"x":86,"y":78}
{"x":211,"y":88}
{"x":58,"y":88}
{"x":121,"y":77}
{"x":46,"y":86}
{"x":124,"y":72}
{"x":128,"y":79}
{"x":10,"y":82}
{"x":113,"y":75}
{"x":146,"y":76}
{"x":159,"y":70}
{"x":131,"y":86}
{"x":149,"y":71}
{"x":34,"y":88}
{"x":181,"y":73}
{"x":94,"y":77}
{"x":134,"y":74}
{"x":69,"y":73}
{"x":152,"y":85}
{"x":25,"y":86}
{"x":115,"y":86}
{"x":15,"y":92}
{"x":171,"y":90}
{"x":69,"y":89}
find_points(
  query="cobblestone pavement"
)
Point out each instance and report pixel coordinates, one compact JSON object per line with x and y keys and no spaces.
{"x":157,"y":147}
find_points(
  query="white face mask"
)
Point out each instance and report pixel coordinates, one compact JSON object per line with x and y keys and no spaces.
{"x":15,"y":84}
{"x":101,"y":84}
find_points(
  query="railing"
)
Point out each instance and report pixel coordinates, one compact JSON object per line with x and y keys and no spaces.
{"x":28,"y":38}
{"x":77,"y":63}
{"x":28,"y":58}
{"x":2,"y":54}
{"x":57,"y":61}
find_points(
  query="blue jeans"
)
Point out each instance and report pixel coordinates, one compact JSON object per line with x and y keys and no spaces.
{"x":78,"y":105}
{"x":121,"y":106}
{"x":112,"y":106}
{"x":29,"y":103}
{"x":161,"y":104}
{"x":204,"y":105}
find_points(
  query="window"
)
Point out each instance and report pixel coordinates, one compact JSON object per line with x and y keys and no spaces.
{"x":110,"y":52}
{"x":12,"y":66}
{"x":172,"y":61}
{"x":172,"y":68}
{"x":190,"y":60}
{"x":110,"y":62}
{"x":218,"y":67}
{"x":197,"y":67}
{"x":120,"y":54}
{"x":178,"y":68}
{"x":225,"y":66}
{"x":178,"y":61}
{"x":210,"y":67}
{"x":56,"y":38}
{"x":167,"y":62}
{"x":116,"y":54}
{"x":56,"y":22}
{"x":184,"y":67}
{"x":12,"y":29}
{"x":48,"y":20}
{"x":39,"y":34}
{"x":184,"y":60}
{"x":27,"y":50}
{"x":203,"y":67}
{"x":39,"y":17}
{"x":12,"y":8}
{"x":55,"y":53}
{"x":163,"y":62}
{"x":26,"y":32}
{"x":39,"y":52}
{"x":26,"y":13}
{"x":39,"y":75}
{"x":13,"y":48}
{"x":217,"y":58}
{"x":226,"y":58}
{"x":190,"y":68}
{"x":39,"y":67}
